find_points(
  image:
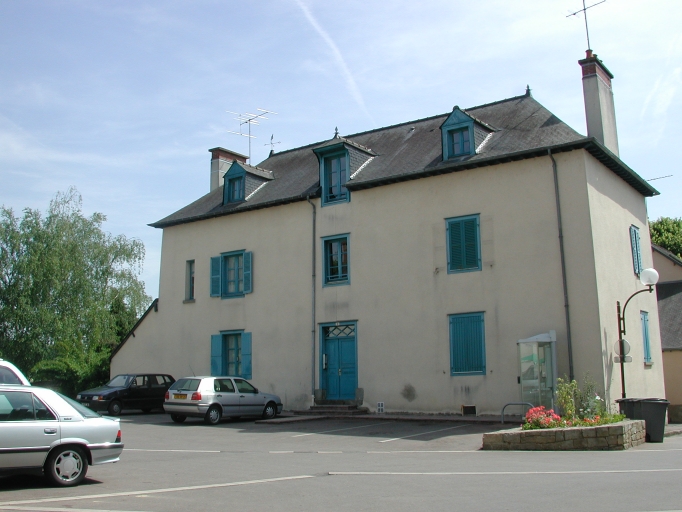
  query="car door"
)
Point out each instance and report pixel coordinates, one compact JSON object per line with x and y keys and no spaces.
{"x":250,"y":401}
{"x":28,"y":430}
{"x":227,"y":396}
{"x":137,"y":393}
{"x":157,"y":391}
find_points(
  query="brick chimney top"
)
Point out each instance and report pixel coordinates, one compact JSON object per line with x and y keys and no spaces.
{"x":593,"y":66}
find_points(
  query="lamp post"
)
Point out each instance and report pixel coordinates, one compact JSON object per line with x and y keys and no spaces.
{"x":648,"y":277}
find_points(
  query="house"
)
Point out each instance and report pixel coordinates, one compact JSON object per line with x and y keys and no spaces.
{"x":453,"y":263}
{"x":669,"y":294}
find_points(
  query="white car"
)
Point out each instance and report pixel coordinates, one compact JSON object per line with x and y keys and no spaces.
{"x":44,"y":432}
{"x":10,"y":374}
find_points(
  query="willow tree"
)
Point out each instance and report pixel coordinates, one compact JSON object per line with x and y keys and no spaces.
{"x":68,"y":290}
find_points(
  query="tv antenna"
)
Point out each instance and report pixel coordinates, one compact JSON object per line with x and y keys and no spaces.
{"x":271,"y":143}
{"x":584,"y":11}
{"x":249,"y":119}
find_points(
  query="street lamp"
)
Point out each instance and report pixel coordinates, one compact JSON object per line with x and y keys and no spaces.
{"x":648,"y":277}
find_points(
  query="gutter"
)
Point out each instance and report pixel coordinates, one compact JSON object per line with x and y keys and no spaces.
{"x":313,"y":325}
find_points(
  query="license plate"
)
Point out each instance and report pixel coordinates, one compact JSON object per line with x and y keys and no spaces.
{"x":180,"y":397}
{"x":85,"y":404}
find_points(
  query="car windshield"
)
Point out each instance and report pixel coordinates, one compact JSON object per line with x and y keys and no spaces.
{"x":120,"y":381}
{"x":186,"y":384}
{"x":82,"y":410}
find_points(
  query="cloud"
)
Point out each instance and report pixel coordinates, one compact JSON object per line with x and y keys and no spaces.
{"x":347,"y":75}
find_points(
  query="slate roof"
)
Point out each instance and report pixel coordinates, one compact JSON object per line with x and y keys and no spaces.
{"x":667,"y":254}
{"x":523,"y":129}
{"x":670,"y":314}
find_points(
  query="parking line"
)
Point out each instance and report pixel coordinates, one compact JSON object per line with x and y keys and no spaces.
{"x":283,"y":451}
{"x":155,"y":491}
{"x":337,"y":430}
{"x":62,"y":509}
{"x":501,"y":473}
{"x":181,"y":451}
{"x":422,"y":433}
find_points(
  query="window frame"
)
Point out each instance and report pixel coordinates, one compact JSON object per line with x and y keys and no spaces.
{"x":327,"y":173}
{"x":190,"y":274}
{"x":235,"y":194}
{"x":219,"y":274}
{"x":482,"y":363}
{"x":220,"y":354}
{"x":328,"y":241}
{"x":451,"y":141}
{"x":459,"y":222}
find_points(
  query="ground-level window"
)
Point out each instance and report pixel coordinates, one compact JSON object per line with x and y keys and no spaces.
{"x":231,"y":354}
{"x":467,"y":344}
{"x":645,"y":336}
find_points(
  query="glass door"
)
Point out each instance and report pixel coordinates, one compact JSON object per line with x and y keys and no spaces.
{"x":536,"y":361}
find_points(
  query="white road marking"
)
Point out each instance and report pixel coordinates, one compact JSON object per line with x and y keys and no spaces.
{"x":496,"y":473}
{"x":329,"y":452}
{"x":181,"y":451}
{"x":154,"y":491}
{"x":336,"y":430}
{"x":422,"y":433}
{"x":63,"y":509}
{"x":283,"y":451}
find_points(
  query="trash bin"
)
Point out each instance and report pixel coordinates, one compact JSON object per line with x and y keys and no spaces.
{"x":653,"y":412}
{"x":627,"y":407}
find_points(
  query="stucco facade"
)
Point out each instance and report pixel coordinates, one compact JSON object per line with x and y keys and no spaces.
{"x":401,"y":294}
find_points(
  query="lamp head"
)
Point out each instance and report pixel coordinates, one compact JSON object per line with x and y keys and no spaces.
{"x":649,"y":277}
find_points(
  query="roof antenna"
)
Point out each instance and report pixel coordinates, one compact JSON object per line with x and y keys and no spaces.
{"x":249,"y":119}
{"x":584,"y":11}
{"x":272,"y":144}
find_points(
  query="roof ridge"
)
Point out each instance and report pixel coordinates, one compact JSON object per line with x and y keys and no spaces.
{"x":500,"y":101}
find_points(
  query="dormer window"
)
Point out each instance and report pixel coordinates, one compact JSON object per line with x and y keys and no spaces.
{"x":235,"y":190}
{"x":335,"y":178}
{"x":459,"y":142}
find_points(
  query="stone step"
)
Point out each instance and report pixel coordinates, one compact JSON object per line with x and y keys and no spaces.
{"x":333,"y":410}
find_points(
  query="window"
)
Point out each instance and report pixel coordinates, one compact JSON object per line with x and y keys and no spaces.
{"x":231,"y":354}
{"x":336,"y":264}
{"x":335,"y":178}
{"x":636,"y":250}
{"x":7,"y":376}
{"x":235,"y":189}
{"x":467,"y":344}
{"x":231,"y":274}
{"x":645,"y":336}
{"x":189,"y":281}
{"x":16,"y":406}
{"x":464,"y":247}
{"x":459,"y":142}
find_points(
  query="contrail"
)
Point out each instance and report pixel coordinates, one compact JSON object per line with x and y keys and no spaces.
{"x":350,"y":81}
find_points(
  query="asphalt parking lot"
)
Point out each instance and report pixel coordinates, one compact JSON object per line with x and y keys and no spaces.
{"x":358,"y":464}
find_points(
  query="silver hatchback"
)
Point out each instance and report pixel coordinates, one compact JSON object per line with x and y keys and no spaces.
{"x":214,"y":398}
{"x":44,"y":432}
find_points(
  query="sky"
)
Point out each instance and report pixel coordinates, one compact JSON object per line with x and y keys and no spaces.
{"x":123,"y":99}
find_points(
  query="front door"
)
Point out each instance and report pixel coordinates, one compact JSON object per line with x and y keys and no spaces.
{"x":339,"y":376}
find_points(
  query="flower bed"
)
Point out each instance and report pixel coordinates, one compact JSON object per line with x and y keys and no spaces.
{"x":614,"y":436}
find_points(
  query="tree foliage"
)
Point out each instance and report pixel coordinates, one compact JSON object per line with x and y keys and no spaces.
{"x":68,"y":291}
{"x":667,"y":232}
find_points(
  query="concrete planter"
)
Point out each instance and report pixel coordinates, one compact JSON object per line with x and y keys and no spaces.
{"x":615,"y":436}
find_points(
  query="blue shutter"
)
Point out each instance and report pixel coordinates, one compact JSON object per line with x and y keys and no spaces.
{"x":470,"y":242}
{"x":246,"y":355}
{"x":636,"y":250}
{"x":248,"y":279}
{"x":645,"y":336}
{"x":215,"y":276}
{"x":467,"y":344}
{"x":217,"y":354}
{"x":456,"y":260}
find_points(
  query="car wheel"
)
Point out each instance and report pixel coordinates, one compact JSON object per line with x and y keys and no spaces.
{"x":177,"y":418}
{"x":66,"y":466}
{"x":213,"y":415}
{"x":115,"y":408}
{"x":270,"y":411}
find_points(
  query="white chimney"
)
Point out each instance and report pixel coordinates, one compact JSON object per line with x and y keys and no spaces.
{"x":221,"y":159}
{"x":599,"y":108}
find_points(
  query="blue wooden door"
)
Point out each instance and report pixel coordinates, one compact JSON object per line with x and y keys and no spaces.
{"x":339,"y":376}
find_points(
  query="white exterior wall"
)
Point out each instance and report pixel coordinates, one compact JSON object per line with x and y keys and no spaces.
{"x":400,"y":292}
{"x":614,"y":207}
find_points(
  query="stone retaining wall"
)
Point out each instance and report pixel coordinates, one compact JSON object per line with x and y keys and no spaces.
{"x":616,"y":436}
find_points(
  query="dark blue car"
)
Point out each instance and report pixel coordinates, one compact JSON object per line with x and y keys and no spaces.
{"x":128,"y":391}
